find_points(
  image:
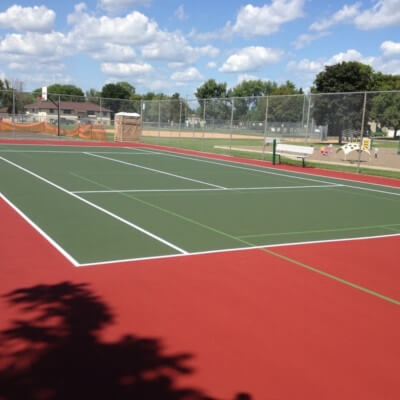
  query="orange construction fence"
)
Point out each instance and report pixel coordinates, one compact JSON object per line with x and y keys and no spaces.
{"x":87,"y":131}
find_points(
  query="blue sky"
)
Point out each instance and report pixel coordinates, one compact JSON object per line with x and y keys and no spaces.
{"x":176,"y":45}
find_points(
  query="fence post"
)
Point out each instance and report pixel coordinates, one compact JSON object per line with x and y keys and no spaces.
{"x":302,"y":116}
{"x":362,"y":132}
{"x":13,"y":111}
{"x":159,"y":120}
{"x":308,"y":117}
{"x":204,"y":124}
{"x":265,"y":126}
{"x":180,"y":121}
{"x":141,"y":120}
{"x":58,"y":115}
{"x":230,"y":136}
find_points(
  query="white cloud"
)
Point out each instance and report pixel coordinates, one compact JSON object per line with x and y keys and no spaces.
{"x":265,"y":20}
{"x":383,"y":14}
{"x":390,"y":49}
{"x":45,"y":47}
{"x":190,"y":74}
{"x":350,"y":55}
{"x":115,"y":52}
{"x":116,"y":5}
{"x":306,"y":66}
{"x":246,"y":77}
{"x":175,"y":47}
{"x":251,"y":59}
{"x":212,"y":64}
{"x":307,"y":69}
{"x":180,"y":13}
{"x":90,"y":32}
{"x":155,"y":85}
{"x":124,"y":70}
{"x":345,"y":15}
{"x":306,"y":39}
{"x":28,"y":19}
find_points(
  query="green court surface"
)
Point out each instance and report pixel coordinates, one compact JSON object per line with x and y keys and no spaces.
{"x":104,"y":204}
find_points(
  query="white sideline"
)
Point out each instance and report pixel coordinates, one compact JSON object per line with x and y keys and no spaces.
{"x":263,"y":171}
{"x":203,"y":190}
{"x":154,"y":170}
{"x":198,"y":253}
{"x":132,"y":225}
{"x":41,"y":232}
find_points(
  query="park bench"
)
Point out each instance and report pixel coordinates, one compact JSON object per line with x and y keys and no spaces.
{"x":293,"y":151}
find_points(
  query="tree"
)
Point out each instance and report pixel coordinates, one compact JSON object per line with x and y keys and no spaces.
{"x":118,"y":92}
{"x":385,"y":107}
{"x":211,"y":90}
{"x":344,"y":111}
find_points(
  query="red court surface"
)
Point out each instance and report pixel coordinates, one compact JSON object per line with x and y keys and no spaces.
{"x":244,"y":321}
{"x":200,"y":327}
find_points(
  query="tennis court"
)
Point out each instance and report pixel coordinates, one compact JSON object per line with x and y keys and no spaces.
{"x":112,"y":204}
{"x":279,"y":282}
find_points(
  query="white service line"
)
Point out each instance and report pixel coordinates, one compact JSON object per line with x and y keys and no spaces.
{"x":154,"y":170}
{"x":198,"y":253}
{"x":263,"y":171}
{"x":132,"y":225}
{"x":203,"y":190}
{"x":41,"y":232}
{"x":78,"y":152}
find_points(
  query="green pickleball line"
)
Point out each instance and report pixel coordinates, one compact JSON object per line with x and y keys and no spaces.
{"x":247,"y":243}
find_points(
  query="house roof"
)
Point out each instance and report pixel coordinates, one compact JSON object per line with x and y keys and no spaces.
{"x":67,"y":105}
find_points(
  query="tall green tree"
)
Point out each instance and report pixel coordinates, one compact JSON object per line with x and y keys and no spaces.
{"x":211,"y":89}
{"x":116,"y":97}
{"x":67,"y":92}
{"x":208,"y":95}
{"x":385,"y":107}
{"x":343,"y":111}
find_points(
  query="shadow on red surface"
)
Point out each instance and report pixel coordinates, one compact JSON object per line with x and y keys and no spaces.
{"x":54,"y":352}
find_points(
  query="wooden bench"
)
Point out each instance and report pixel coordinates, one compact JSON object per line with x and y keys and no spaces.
{"x":293,"y":151}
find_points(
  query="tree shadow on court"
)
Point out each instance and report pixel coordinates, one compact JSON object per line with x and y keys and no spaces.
{"x":55,"y":352}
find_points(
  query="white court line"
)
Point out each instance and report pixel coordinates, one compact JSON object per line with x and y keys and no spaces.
{"x":154,"y":170}
{"x":41,"y":232}
{"x":132,"y":225}
{"x":198,"y":253}
{"x":263,"y":171}
{"x":203,"y":190}
{"x":79,"y":152}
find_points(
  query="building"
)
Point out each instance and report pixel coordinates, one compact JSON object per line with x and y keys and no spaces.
{"x":71,"y":112}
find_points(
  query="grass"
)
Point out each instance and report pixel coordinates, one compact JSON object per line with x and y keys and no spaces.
{"x":208,"y":146}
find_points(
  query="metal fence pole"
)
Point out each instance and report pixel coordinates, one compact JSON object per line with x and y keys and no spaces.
{"x":180,"y":121}
{"x":308,"y":117}
{"x":141,"y":120}
{"x":362,"y":132}
{"x":265,"y":125}
{"x":159,"y":120}
{"x":204,"y":124}
{"x":230,"y":136}
{"x":58,"y":116}
{"x":101,"y":113}
{"x":13,"y":111}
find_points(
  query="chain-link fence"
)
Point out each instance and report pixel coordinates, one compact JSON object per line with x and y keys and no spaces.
{"x":239,"y":126}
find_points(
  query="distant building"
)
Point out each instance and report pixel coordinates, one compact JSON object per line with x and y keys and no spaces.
{"x":72,"y":112}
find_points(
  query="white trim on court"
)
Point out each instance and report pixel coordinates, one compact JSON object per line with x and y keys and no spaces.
{"x":80,"y":152}
{"x":155,"y":170}
{"x":41,"y":232}
{"x":198,"y":253}
{"x":242,"y":189}
{"x":228,"y":163}
{"x":126,"y":222}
